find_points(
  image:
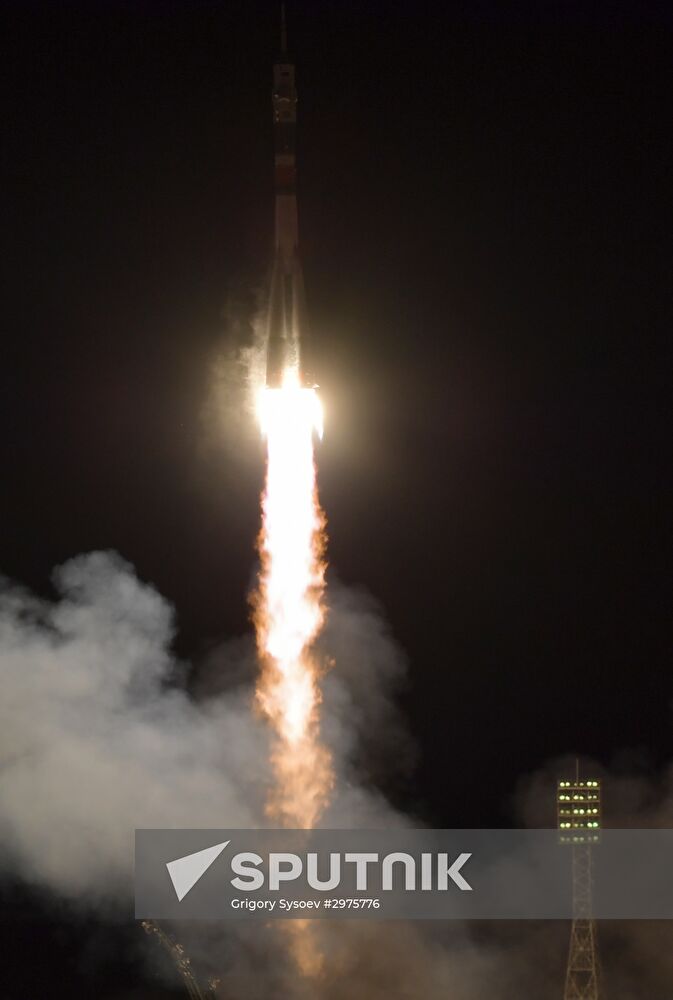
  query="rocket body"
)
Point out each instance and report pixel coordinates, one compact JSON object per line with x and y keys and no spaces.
{"x":287,"y":344}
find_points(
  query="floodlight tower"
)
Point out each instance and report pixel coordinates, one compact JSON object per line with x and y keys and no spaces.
{"x":579,"y":822}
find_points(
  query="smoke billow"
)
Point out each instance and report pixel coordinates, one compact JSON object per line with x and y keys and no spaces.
{"x":97,"y":736}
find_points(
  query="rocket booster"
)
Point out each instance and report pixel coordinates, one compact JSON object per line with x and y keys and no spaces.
{"x":287,"y":344}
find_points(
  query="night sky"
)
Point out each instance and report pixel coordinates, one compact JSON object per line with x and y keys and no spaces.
{"x":485,"y":218}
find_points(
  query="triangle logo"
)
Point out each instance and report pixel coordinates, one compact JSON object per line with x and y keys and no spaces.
{"x":186,"y":872}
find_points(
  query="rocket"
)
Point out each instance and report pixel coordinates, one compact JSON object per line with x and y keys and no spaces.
{"x":287,"y":343}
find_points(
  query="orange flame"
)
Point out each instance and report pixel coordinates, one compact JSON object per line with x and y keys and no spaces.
{"x":289,"y":607}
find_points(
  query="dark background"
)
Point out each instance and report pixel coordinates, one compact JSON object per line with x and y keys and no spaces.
{"x":485,"y":214}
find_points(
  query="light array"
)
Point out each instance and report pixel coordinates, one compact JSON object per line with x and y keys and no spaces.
{"x":579,"y":811}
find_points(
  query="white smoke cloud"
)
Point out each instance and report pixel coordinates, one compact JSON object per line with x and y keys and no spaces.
{"x":96,"y":739}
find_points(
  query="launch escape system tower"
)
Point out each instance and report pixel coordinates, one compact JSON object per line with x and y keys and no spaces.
{"x":579,"y":821}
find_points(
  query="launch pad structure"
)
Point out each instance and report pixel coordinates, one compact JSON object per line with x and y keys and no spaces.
{"x":182,"y":963}
{"x":579,"y":822}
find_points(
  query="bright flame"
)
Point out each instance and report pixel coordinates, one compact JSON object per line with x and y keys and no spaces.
{"x":289,"y":610}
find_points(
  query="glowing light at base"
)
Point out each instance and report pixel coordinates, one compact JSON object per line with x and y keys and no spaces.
{"x":288,"y":605}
